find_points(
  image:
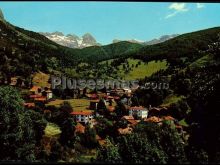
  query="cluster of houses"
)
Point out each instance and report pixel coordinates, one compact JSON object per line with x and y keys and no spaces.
{"x":38,"y":94}
{"x":134,"y":113}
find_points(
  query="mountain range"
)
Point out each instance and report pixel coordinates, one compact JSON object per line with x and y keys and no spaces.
{"x":151,"y":42}
{"x":87,"y":40}
{"x":72,"y":40}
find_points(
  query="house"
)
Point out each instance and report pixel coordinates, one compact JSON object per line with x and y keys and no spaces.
{"x":13,"y":81}
{"x":126,"y":101}
{"x":79,"y":128}
{"x":92,"y":96}
{"x":29,"y":105}
{"x":169,"y":118}
{"x":100,"y":140}
{"x":116,"y":98}
{"x":93,"y":104}
{"x":35,"y":90}
{"x":47,"y":113}
{"x":40,"y":99}
{"x":35,"y":96}
{"x":48,"y":94}
{"x":124,"y":131}
{"x":127,"y":90}
{"x":139,"y":112}
{"x":158,"y":111}
{"x":153,"y":119}
{"x":111,"y":108}
{"x":131,"y":120}
{"x":83,"y":116}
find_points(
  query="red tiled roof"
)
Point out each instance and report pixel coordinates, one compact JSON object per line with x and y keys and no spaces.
{"x":40,"y":99}
{"x":102,"y":142}
{"x":127,"y":130}
{"x":95,"y":101}
{"x":79,"y":128}
{"x":116,"y":97}
{"x":168,"y":118}
{"x":46,"y":111}
{"x":81,"y":113}
{"x":110,"y":97}
{"x":34,"y":88}
{"x":153,"y":119}
{"x":128,"y":117}
{"x":35,"y":96}
{"x":179,"y":126}
{"x":111,"y":108}
{"x":137,"y":108}
{"x":98,"y":137}
{"x":29,"y":104}
{"x":133,"y":122}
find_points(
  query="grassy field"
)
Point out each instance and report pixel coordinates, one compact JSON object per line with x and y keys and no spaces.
{"x":52,"y":130}
{"x":203,"y":61}
{"x":41,"y":79}
{"x":143,"y":70}
{"x":104,"y":62}
{"x":171,"y":99}
{"x":77,"y":104}
{"x":183,"y":123}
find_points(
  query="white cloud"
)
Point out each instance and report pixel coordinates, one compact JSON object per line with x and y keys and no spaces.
{"x":171,"y":15}
{"x":176,"y":8}
{"x":200,"y":6}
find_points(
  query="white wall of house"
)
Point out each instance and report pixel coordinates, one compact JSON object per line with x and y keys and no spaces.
{"x":84,"y":118}
{"x":49,"y":95}
{"x":140,"y":113}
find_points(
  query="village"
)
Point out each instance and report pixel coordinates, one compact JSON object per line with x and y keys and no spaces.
{"x":86,"y":108}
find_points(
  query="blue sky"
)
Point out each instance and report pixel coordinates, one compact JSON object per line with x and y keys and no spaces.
{"x":113,"y":20}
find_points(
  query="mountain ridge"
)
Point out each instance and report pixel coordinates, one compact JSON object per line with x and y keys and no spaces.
{"x":72,"y":40}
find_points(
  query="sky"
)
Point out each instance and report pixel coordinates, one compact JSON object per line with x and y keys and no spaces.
{"x":113,"y":20}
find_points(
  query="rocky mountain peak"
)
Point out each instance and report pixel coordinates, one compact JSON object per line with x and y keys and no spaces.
{"x":72,"y":36}
{"x":57,"y":33}
{"x":72,"y":40}
{"x":88,"y":38}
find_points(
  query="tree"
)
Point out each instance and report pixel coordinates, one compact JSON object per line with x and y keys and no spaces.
{"x":179,"y":110}
{"x":109,"y":153}
{"x":18,"y":137}
{"x":121,"y":109}
{"x":101,"y":107}
{"x":67,"y":137}
{"x":151,"y":143}
{"x":89,"y":137}
{"x":104,"y":127}
{"x":66,"y":107}
{"x":183,"y":87}
{"x":56,"y":151}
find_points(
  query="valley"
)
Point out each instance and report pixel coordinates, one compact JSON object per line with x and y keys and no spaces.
{"x":178,"y":124}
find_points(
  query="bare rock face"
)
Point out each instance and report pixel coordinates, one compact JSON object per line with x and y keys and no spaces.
{"x":161,"y":39}
{"x":88,"y":39}
{"x":72,"y":40}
